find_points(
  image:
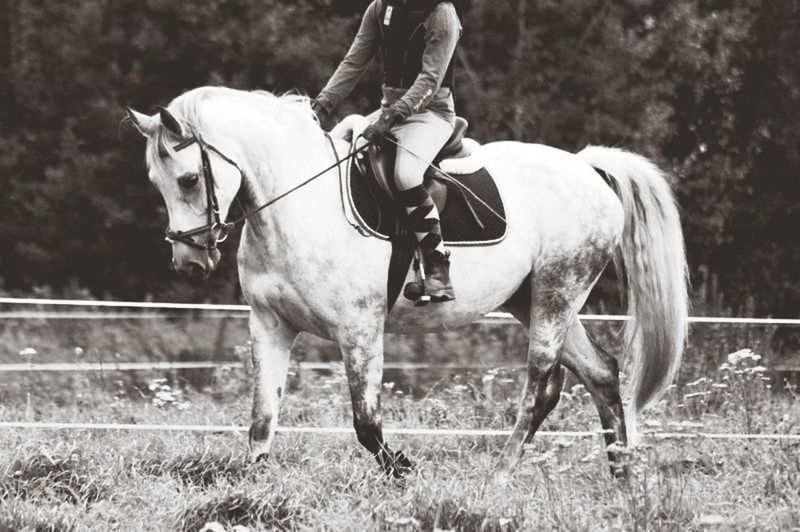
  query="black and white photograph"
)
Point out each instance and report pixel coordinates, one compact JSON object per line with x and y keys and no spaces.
{"x":399,"y":265}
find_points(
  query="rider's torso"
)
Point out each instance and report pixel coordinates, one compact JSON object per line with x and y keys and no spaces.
{"x":403,"y":41}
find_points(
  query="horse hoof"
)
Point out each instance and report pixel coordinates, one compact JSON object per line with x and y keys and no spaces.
{"x":259,"y":449}
{"x":259,"y":458}
{"x":396,"y":464}
{"x":620,"y":472}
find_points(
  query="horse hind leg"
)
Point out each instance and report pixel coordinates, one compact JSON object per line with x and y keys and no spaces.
{"x":550,"y":315}
{"x":599,"y":372}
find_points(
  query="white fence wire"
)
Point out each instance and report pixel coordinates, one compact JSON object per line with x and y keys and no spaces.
{"x":242,"y":310}
{"x":167,"y":310}
{"x":466,"y":433}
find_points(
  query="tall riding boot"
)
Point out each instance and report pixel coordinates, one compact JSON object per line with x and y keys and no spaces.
{"x":423,"y":219}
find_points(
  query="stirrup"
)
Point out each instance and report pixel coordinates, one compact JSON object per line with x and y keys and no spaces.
{"x":415,"y":290}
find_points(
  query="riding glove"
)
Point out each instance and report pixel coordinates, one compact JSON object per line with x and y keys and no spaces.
{"x":381,"y":127}
{"x":319,"y":110}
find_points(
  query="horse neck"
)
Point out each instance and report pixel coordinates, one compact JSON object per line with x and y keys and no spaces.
{"x":276,"y":165}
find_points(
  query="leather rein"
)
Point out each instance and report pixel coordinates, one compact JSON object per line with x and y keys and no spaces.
{"x":217,"y":230}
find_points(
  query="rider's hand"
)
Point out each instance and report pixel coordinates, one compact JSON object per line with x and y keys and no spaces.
{"x":319,"y":110}
{"x":382,"y":126}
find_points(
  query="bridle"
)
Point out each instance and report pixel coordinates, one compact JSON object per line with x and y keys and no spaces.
{"x":216,"y":228}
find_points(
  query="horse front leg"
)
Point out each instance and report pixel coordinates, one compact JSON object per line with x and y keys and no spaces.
{"x":362,"y":350}
{"x":272,"y":340}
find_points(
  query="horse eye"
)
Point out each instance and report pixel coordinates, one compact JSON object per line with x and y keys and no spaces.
{"x":188,"y":181}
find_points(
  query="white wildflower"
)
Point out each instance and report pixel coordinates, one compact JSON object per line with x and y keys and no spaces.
{"x":27,"y":352}
{"x":213,"y":527}
{"x":741,"y":354}
{"x":155,"y":384}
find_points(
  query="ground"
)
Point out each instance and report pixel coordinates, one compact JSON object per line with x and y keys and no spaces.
{"x":136,"y":480}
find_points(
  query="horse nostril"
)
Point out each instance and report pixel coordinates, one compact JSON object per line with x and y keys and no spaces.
{"x":195,"y":270}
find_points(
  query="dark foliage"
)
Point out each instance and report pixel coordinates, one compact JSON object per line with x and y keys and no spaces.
{"x":707,"y":89}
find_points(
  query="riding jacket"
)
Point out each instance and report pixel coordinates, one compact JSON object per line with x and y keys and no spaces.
{"x":418,"y":39}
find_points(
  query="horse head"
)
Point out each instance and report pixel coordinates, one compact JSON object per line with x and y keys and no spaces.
{"x":197,"y":181}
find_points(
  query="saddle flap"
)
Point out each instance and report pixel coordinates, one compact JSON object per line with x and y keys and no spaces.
{"x":381,"y":162}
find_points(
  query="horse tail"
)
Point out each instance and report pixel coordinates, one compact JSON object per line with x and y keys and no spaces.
{"x":652,"y":258}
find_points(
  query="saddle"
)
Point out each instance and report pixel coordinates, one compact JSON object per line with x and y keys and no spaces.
{"x":381,"y":164}
{"x":470,"y":207}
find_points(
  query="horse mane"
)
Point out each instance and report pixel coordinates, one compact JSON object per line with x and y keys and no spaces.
{"x":188,"y":109}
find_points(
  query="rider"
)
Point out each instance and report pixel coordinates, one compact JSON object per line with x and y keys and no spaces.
{"x":418,"y":39}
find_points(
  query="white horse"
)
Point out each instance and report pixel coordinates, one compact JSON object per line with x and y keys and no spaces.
{"x":302,"y":267}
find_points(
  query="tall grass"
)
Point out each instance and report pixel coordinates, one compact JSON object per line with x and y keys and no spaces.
{"x":171,"y":481}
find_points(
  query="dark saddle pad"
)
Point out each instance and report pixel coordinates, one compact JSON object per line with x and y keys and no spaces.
{"x":470,"y":207}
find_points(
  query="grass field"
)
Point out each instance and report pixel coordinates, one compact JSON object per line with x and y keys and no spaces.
{"x":86,"y":480}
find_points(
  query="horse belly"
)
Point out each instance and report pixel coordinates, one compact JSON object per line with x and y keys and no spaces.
{"x":484,"y":277}
{"x":557,"y":206}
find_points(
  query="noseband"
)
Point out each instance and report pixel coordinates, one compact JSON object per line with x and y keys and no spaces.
{"x":217,"y":229}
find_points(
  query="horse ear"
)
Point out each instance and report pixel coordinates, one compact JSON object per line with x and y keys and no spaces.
{"x":170,"y":122}
{"x":146,"y":125}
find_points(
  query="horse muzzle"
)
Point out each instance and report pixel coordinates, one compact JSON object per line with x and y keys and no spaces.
{"x":194,"y":263}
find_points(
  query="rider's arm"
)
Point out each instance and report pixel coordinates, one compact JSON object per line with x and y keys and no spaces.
{"x":442,"y":31}
{"x":365,"y":45}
